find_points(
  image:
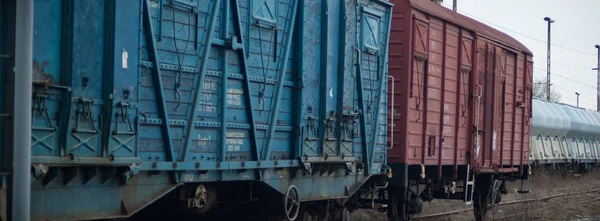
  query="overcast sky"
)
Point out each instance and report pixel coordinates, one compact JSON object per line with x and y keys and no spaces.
{"x":574,"y":34}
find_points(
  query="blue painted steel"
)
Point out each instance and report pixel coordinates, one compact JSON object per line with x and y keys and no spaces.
{"x":243,"y":55}
{"x":322,"y":115}
{"x":380,"y":138}
{"x":158,"y":81}
{"x":135,"y":98}
{"x":66,"y":78}
{"x":280,"y":78}
{"x":202,"y":66}
{"x":224,"y":35}
{"x":4,"y":38}
{"x":299,"y":68}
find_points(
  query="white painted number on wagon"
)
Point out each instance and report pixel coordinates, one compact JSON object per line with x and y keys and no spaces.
{"x":188,"y":177}
{"x":124,"y":57}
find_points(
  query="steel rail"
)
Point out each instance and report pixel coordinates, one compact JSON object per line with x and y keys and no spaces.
{"x":511,"y":202}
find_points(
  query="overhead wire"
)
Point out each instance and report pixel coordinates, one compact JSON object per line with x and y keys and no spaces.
{"x":524,"y":35}
{"x":566,"y":64}
{"x":569,"y":79}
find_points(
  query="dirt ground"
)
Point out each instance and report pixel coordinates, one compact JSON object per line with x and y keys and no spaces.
{"x":584,"y":207}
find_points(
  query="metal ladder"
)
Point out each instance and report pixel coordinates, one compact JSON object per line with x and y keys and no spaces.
{"x":469,"y":186}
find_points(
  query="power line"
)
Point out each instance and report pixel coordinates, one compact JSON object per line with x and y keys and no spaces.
{"x":581,"y":101}
{"x":572,"y":65}
{"x":524,"y":35}
{"x":569,"y":79}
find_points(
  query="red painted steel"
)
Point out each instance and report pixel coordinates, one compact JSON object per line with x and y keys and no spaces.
{"x":459,"y":85}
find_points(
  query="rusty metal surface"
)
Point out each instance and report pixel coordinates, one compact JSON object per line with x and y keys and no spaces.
{"x":458,"y":85}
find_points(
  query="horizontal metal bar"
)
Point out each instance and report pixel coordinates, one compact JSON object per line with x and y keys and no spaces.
{"x":123,"y":133}
{"x":75,"y":130}
{"x":60,"y":87}
{"x":94,"y":101}
{"x":162,"y":166}
{"x":44,"y":128}
{"x":209,"y":124}
{"x":220,"y":42}
{"x":208,"y":166}
{"x":217,"y":74}
{"x":334,"y":159}
{"x":89,"y":161}
{"x":4,"y":56}
{"x":4,"y":115}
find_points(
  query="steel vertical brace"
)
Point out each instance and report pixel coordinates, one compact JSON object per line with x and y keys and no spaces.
{"x":183,"y":156}
{"x":361,"y":106}
{"x":459,"y":79}
{"x":598,"y":80}
{"x":280,"y":79}
{"x":323,"y":80}
{"x":299,"y":70}
{"x":224,"y":82}
{"x":108,"y":75}
{"x":66,"y":72}
{"x":383,"y":70}
{"x":340,"y":84}
{"x":443,"y":97}
{"x":159,"y":28}
{"x":514,"y":111}
{"x":21,"y":198}
{"x":244,"y":65}
{"x":158,"y":84}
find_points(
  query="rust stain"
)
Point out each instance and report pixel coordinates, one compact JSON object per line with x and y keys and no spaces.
{"x":39,"y":74}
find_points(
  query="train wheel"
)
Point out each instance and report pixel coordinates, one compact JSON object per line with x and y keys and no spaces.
{"x":396,"y":210}
{"x":305,"y":215}
{"x":308,"y":213}
{"x":481,"y":196}
{"x":340,"y":214}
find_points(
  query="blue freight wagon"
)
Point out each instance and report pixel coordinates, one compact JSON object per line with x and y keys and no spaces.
{"x":197,"y":105}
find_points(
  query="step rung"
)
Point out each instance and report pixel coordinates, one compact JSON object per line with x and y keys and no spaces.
{"x":4,"y":115}
{"x":4,"y":56}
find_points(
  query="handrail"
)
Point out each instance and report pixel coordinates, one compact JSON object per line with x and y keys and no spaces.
{"x":392,"y":114}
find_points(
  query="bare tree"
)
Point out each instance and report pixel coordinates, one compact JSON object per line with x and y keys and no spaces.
{"x":539,"y":91}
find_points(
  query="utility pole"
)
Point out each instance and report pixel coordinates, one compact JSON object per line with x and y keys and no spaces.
{"x":21,"y":160}
{"x":550,"y":21}
{"x":454,"y":5}
{"x":598,"y":81}
{"x":577,"y":93}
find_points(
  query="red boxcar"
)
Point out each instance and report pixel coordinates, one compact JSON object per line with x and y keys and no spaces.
{"x":460,"y":99}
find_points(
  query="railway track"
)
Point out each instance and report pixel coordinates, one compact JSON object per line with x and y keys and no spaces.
{"x":540,"y":199}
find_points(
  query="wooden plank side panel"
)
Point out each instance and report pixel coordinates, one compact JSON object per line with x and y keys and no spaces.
{"x":434,"y":91}
{"x":478,"y":82}
{"x":451,"y":93}
{"x":400,"y":57}
{"x":509,"y":111}
{"x":465,"y":129}
{"x":499,"y":96}
{"x":520,"y":80}
{"x":417,"y":103}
